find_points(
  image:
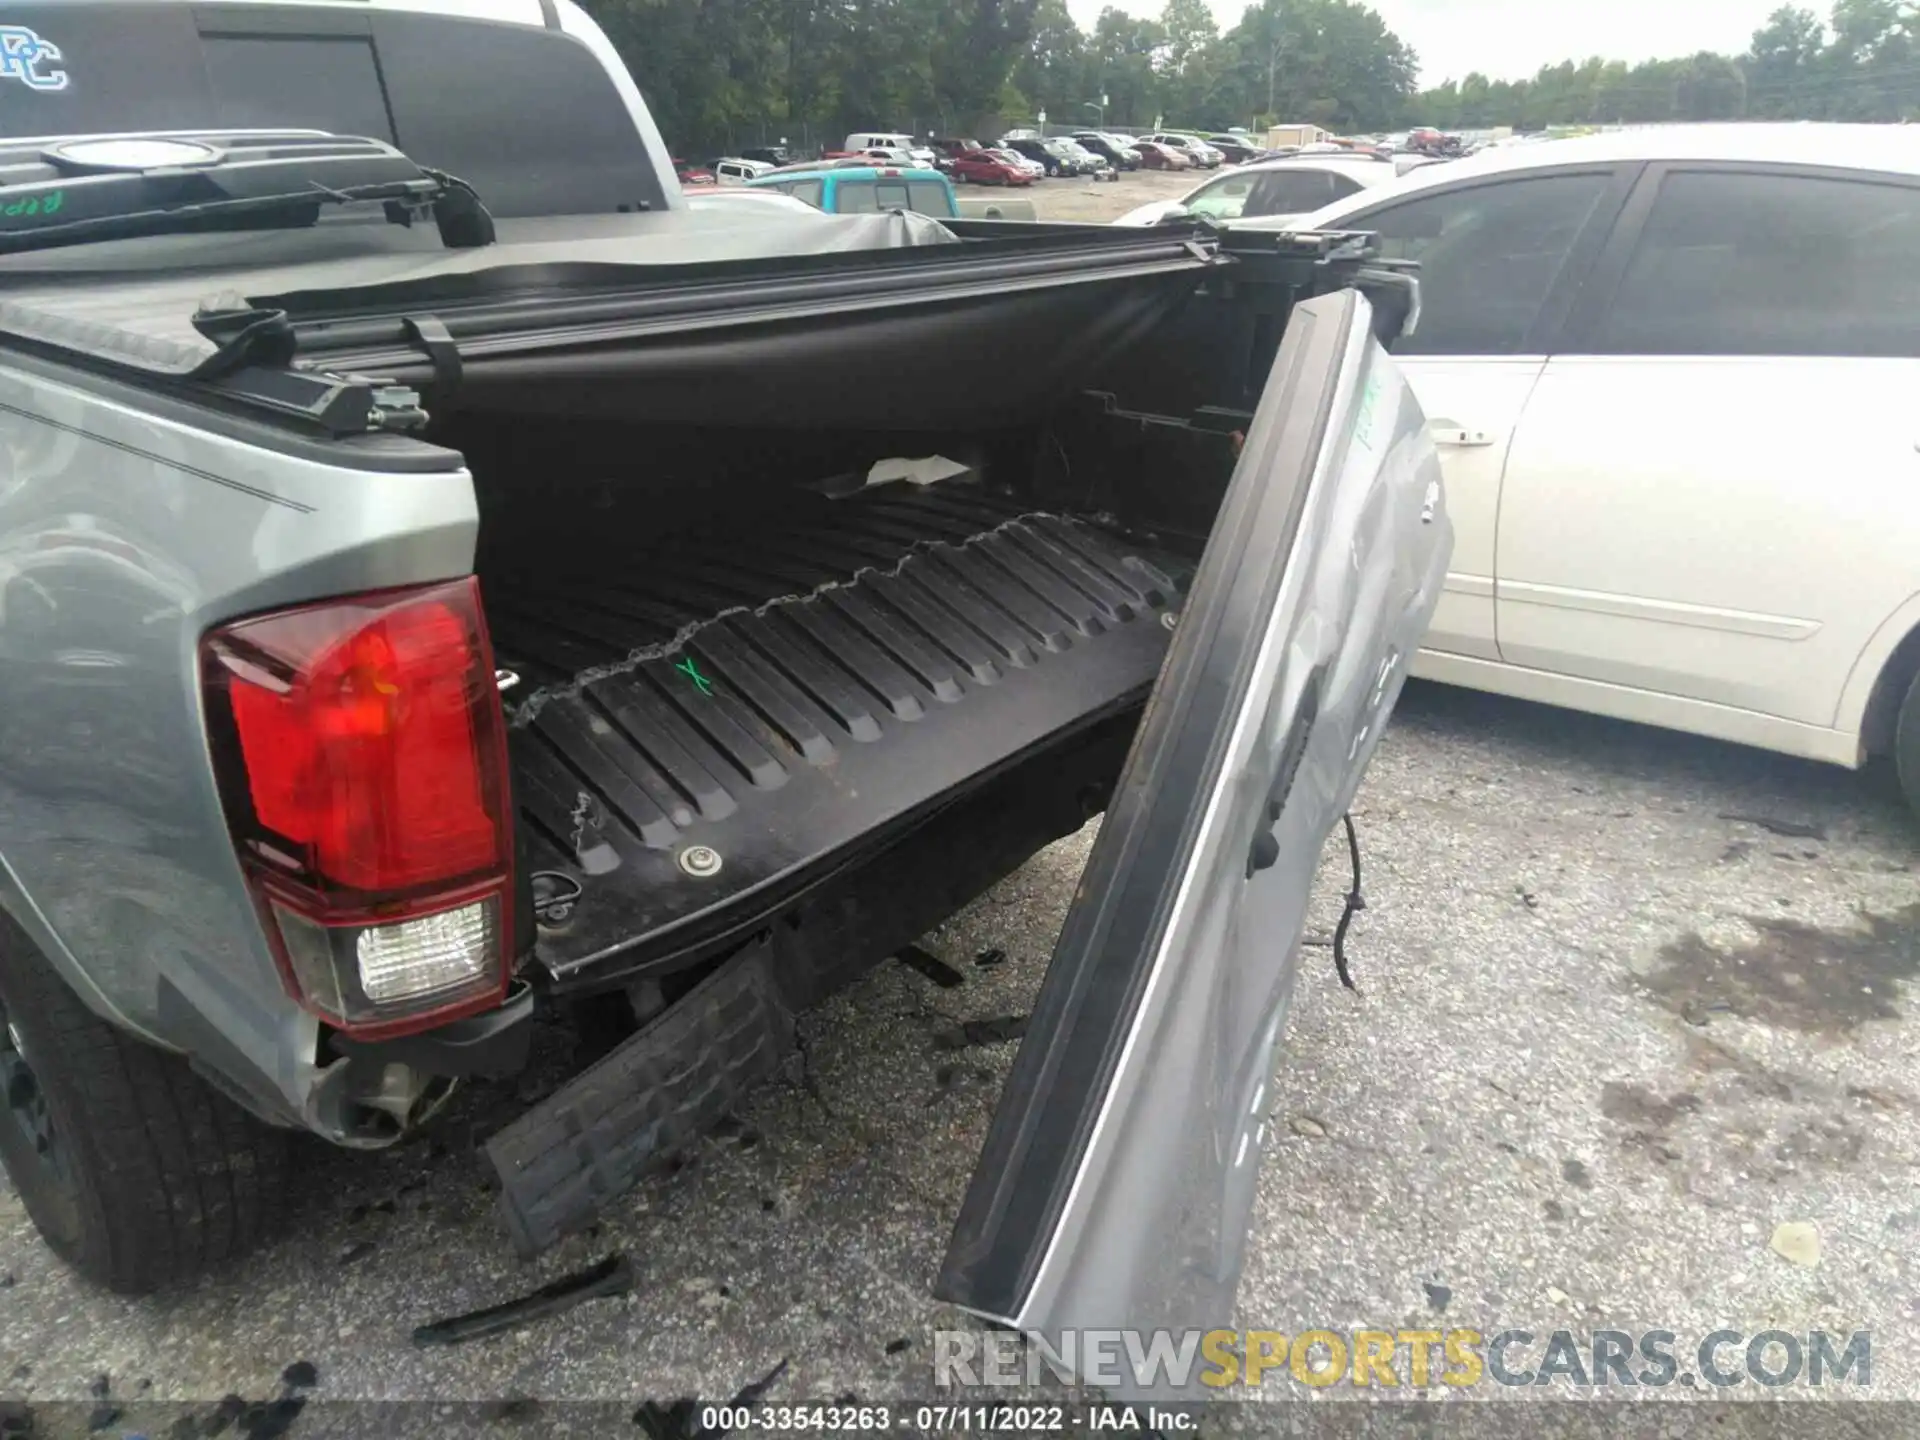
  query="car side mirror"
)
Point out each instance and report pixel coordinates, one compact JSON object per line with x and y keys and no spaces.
{"x":1175,"y":215}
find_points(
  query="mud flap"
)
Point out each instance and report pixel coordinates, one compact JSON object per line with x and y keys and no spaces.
{"x":600,"y":1134}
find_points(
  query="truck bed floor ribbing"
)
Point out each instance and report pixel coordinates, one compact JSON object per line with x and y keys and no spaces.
{"x":779,"y":700}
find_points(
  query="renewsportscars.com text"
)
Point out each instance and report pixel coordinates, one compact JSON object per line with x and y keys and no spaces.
{"x":1222,"y":1360}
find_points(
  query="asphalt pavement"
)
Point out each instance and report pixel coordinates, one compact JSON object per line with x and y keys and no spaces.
{"x":1629,"y":1003}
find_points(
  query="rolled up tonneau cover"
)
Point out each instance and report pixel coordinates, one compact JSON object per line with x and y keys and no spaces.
{"x":690,"y":318}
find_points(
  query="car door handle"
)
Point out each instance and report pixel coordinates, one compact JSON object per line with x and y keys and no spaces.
{"x":1451,"y":432}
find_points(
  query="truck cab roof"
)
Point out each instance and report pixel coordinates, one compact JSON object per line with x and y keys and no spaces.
{"x":843,"y":189}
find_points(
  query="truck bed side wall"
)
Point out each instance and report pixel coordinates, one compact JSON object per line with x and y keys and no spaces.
{"x":123,"y":538}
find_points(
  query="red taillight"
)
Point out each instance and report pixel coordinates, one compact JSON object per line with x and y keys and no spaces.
{"x":361,"y":754}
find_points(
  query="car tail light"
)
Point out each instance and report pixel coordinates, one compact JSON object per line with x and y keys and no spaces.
{"x":361,"y":755}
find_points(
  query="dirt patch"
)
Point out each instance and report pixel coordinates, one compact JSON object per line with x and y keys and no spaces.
{"x":1089,"y":202}
{"x":1776,"y":1122}
{"x":1637,"y":1106}
{"x":1648,"y":1118}
{"x":1746,"y":1077}
{"x":1795,"y":976}
{"x":1829,"y":1142}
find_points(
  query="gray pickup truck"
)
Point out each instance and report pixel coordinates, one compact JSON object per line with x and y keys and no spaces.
{"x":448,"y":582}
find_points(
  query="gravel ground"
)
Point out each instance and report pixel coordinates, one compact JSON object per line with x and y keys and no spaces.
{"x":1608,"y":1038}
{"x":1099,"y":201}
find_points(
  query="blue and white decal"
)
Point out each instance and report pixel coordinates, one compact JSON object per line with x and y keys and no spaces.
{"x":25,"y":57}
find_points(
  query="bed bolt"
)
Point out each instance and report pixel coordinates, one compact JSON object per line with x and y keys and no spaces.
{"x":700,"y":861}
{"x":1168,"y":620}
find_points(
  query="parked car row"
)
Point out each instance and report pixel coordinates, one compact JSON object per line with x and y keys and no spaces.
{"x":1018,"y":158}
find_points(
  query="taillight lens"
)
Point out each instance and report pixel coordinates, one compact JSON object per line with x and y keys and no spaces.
{"x":362,"y":760}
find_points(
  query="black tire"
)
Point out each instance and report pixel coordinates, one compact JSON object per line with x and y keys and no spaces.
{"x":1906,"y":745}
{"x":139,"y":1174}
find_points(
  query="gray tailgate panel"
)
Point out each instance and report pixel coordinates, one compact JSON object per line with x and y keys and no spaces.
{"x":1118,"y":1176}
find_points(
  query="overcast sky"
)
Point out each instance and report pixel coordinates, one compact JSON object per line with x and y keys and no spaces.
{"x":1510,"y":39}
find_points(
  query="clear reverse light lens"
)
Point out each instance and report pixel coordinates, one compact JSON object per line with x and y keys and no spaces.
{"x":423,"y":957}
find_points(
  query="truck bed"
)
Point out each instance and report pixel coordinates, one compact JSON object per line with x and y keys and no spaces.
{"x":789,"y":701}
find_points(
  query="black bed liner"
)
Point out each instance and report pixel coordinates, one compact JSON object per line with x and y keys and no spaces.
{"x":787,"y":702}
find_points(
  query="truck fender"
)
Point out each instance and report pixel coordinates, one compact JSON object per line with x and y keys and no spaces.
{"x":27,"y":919}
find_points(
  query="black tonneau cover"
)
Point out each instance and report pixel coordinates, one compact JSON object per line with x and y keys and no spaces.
{"x":133,"y":302}
{"x":741,"y":319}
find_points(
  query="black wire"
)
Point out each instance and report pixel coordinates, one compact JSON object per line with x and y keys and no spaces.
{"x":1356,"y":902}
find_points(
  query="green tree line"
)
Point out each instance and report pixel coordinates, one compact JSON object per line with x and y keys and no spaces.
{"x":722,"y":74}
{"x":1862,"y":63}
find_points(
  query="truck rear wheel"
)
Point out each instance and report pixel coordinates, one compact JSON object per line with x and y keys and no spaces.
{"x":135,"y":1171}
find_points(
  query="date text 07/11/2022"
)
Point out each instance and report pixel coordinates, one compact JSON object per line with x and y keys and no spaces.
{"x":922,"y":1419}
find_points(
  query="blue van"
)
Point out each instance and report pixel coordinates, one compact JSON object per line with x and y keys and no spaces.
{"x":866,"y":189}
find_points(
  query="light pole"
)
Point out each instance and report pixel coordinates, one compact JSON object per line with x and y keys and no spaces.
{"x":1099,"y":108}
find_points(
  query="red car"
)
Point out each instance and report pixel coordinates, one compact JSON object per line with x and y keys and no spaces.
{"x":948,"y":149}
{"x":1159,"y":157}
{"x":691,"y":174}
{"x":983,"y":168}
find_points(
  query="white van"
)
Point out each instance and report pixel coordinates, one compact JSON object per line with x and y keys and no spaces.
{"x":738,"y":172}
{"x":889,"y":140}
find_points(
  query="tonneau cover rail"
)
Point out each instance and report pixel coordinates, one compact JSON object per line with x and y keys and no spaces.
{"x":1031,"y":302}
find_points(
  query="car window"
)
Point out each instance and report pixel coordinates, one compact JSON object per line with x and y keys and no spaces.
{"x":807,"y":190}
{"x":1771,"y":264}
{"x":1224,"y":199}
{"x":322,"y":82}
{"x":1489,"y":255}
{"x":855,"y":197}
{"x":478,"y":100}
{"x":930,"y":197}
{"x":1297,"y":191}
{"x":892,"y":195}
